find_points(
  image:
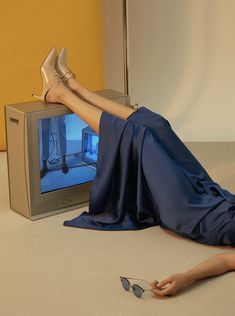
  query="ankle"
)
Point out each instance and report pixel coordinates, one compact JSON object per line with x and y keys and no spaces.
{"x":76,"y":86}
{"x":56,"y":92}
{"x":73,"y":84}
{"x":60,"y":91}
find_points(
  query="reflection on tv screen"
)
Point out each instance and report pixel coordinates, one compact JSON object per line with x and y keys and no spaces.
{"x":68,"y":150}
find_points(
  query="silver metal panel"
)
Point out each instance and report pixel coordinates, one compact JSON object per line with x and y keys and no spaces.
{"x":24,"y":164}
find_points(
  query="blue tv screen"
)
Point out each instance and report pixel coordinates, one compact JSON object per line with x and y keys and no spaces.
{"x":68,"y":150}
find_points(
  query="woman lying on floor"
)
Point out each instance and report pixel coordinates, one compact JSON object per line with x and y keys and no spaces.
{"x":145,"y":175}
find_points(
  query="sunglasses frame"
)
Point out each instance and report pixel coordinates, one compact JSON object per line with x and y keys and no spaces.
{"x":135,"y":285}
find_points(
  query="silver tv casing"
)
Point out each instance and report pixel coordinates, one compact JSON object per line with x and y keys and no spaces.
{"x":24,"y":165}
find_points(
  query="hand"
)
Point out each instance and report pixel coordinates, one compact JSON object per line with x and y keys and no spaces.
{"x":170,"y":285}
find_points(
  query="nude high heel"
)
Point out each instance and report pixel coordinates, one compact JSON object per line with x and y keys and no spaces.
{"x":61,"y":66}
{"x":49,"y":74}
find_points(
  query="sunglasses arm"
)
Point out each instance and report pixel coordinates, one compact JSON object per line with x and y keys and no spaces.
{"x":138,"y":280}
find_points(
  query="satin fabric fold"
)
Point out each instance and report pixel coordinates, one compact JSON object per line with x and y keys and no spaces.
{"x":146,"y":176}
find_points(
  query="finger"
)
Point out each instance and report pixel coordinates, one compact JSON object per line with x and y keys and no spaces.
{"x":154,"y":283}
{"x":165,"y":281}
{"x":157,"y":292}
{"x":169,"y":290}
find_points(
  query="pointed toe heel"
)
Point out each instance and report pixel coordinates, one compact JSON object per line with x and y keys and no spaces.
{"x":62,"y":68}
{"x":49,"y":74}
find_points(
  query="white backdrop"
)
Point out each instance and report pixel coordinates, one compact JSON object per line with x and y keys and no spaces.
{"x":182,"y":64}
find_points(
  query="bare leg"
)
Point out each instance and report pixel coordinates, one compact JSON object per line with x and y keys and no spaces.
{"x":89,"y":113}
{"x":105,"y":104}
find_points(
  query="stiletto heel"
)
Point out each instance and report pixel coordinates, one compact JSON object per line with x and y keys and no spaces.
{"x":49,"y":74}
{"x":62,"y":68}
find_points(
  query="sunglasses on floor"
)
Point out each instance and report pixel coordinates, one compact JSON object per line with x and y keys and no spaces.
{"x":137,"y":289}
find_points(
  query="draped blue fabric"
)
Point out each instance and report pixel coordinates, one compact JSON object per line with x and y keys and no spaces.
{"x":146,"y":176}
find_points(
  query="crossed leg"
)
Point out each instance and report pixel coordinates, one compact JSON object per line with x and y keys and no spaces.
{"x":158,"y":125}
{"x":105,"y":104}
{"x":89,"y":106}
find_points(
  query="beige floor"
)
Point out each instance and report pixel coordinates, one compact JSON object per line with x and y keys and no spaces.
{"x":49,"y":269}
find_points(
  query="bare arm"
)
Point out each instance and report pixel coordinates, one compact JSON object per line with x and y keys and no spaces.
{"x":215,"y":265}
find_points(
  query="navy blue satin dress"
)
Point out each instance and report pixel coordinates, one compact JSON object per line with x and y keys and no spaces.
{"x":146,"y":176}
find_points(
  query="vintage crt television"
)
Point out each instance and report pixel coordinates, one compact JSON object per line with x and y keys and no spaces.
{"x":51,"y":155}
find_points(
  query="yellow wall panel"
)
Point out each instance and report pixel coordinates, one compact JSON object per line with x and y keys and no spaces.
{"x":29,"y":29}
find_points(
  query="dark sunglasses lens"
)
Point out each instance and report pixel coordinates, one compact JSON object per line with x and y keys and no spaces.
{"x":137,"y":291}
{"x":125,"y":284}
